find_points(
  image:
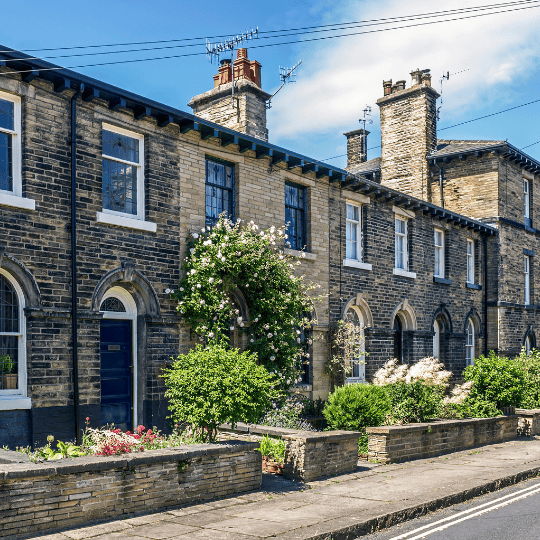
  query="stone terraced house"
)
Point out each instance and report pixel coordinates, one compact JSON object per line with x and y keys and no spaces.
{"x":429,"y":249}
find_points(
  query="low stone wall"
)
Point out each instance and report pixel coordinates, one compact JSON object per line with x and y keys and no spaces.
{"x":309,"y":455}
{"x":529,"y":422}
{"x":391,"y":444}
{"x":70,"y":492}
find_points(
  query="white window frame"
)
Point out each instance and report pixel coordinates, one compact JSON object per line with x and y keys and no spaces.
{"x":438,"y":270}
{"x":470,"y":261}
{"x":470,"y":343}
{"x":15,"y":196}
{"x":361,"y":360}
{"x":17,"y":399}
{"x":404,"y":245}
{"x":122,"y":219}
{"x":526,"y":198}
{"x":436,"y":339}
{"x":359,"y":236}
{"x":527,"y":278}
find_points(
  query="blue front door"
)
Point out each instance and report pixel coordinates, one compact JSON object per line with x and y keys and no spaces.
{"x":116,"y":374}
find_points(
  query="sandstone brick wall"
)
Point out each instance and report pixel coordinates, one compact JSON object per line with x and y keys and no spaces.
{"x":383,"y":292}
{"x":529,"y":422}
{"x":66,"y":493}
{"x":392,"y":444}
{"x":309,"y":455}
{"x":408,"y":134}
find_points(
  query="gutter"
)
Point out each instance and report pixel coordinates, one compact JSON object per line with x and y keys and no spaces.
{"x":74,"y":312}
{"x":485,"y":297}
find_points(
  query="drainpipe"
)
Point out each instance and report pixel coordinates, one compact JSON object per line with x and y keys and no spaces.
{"x":74,"y":319}
{"x":485,"y":297}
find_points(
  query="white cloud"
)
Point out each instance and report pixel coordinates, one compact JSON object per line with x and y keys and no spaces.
{"x":339,"y":77}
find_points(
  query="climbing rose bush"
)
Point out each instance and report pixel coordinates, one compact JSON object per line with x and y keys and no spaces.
{"x":232,"y":256}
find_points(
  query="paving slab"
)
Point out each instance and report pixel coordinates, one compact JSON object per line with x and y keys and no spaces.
{"x":342,"y":507}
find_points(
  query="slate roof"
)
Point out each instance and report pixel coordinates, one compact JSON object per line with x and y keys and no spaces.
{"x":445,"y":147}
{"x":366,"y":166}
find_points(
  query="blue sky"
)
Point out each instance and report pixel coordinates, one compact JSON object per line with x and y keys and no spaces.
{"x":338,"y":77}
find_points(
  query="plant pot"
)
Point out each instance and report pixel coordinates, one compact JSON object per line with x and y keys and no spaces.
{"x":272,"y":467}
{"x":9,"y":381}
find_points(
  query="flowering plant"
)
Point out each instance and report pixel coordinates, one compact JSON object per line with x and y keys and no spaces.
{"x":229,"y":257}
{"x":429,"y":370}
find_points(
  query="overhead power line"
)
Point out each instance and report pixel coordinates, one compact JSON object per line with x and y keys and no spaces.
{"x":290,"y":32}
{"x":136,"y":60}
{"x":329,"y":27}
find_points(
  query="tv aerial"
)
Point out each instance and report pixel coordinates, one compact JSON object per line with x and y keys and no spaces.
{"x":366,"y":120}
{"x":287,"y":75}
{"x":445,"y":77}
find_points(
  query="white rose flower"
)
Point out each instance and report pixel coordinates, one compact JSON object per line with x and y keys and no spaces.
{"x":298,"y":340}
{"x":269,"y":335}
{"x":168,"y":291}
{"x":222,"y":259}
{"x":202,"y":302}
{"x":267,"y":327}
{"x":181,"y":289}
{"x":252,"y":340}
{"x":211,"y":334}
{"x":272,"y":358}
{"x":211,"y":280}
{"x":195,"y":235}
{"x":193,"y":271}
{"x":242,"y":324}
{"x":231,"y":328}
{"x":191,"y":250}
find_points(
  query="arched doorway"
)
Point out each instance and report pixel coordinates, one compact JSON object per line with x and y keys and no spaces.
{"x":118,"y":359}
{"x":470,"y":346}
{"x":398,"y":339}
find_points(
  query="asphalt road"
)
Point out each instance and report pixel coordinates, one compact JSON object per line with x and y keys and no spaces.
{"x":509,"y":514}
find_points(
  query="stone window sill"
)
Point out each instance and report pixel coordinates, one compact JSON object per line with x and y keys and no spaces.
{"x":123,"y":221}
{"x":442,"y":281}
{"x":355,"y":380}
{"x":357,"y":264}
{"x":302,"y":387}
{"x":300,"y":254}
{"x":404,"y":273}
{"x":474,"y":286}
{"x":13,"y":402}
{"x":8,"y":199}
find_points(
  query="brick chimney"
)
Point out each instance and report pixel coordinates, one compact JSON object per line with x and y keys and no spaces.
{"x":356,"y":147}
{"x":248,"y":113}
{"x":408,"y":133}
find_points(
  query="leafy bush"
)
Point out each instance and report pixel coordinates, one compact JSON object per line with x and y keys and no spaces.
{"x":273,"y":448}
{"x":531,"y":364}
{"x":499,"y":380}
{"x":287,"y":414}
{"x":415,"y":401}
{"x":215,"y":385}
{"x":356,"y":406}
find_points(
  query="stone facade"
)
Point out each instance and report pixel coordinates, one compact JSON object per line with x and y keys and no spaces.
{"x":67,"y":493}
{"x":392,"y":444}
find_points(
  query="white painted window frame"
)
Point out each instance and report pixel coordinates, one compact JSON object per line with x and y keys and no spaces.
{"x":436,"y":339}
{"x":17,"y":399}
{"x":15,"y":197}
{"x":470,"y":261}
{"x":130,"y":315}
{"x":526,"y":198}
{"x":439,"y":250}
{"x":121,"y":219}
{"x":469,"y":343}
{"x":361,"y":361}
{"x":404,"y":244}
{"x":527,"y":278}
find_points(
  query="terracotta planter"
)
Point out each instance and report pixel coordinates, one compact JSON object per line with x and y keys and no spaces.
{"x":9,"y":381}
{"x":272,"y":466}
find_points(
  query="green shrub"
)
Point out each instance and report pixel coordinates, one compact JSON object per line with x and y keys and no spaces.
{"x":531,"y":364}
{"x":215,"y":385}
{"x":499,"y":380}
{"x":470,"y":408}
{"x":273,"y":448}
{"x":415,"y":401}
{"x":356,"y":406}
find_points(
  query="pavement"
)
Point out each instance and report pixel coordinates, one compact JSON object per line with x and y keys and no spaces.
{"x":343,"y":507}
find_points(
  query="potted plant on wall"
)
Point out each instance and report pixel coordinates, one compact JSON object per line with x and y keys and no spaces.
{"x":9,"y":377}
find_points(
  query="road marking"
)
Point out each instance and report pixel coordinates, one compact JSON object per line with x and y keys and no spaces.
{"x":487,"y":507}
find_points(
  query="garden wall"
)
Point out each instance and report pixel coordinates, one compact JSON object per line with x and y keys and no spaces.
{"x":529,"y":422}
{"x":68,"y":492}
{"x":391,"y":444}
{"x":309,"y":455}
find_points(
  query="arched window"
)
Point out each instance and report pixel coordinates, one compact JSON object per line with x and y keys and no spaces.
{"x":358,"y":368}
{"x":437,"y":340}
{"x":529,"y":346}
{"x":12,"y":337}
{"x":469,"y":343}
{"x":112,"y":304}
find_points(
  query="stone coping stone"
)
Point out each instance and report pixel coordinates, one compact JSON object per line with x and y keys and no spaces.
{"x":101,"y":463}
{"x":11,"y":456}
{"x":289,"y":434}
{"x":528,"y":412}
{"x":433,"y":426}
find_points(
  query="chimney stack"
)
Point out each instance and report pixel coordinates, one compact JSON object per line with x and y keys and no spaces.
{"x":247,"y":113}
{"x":356,"y":147}
{"x":408,"y":133}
